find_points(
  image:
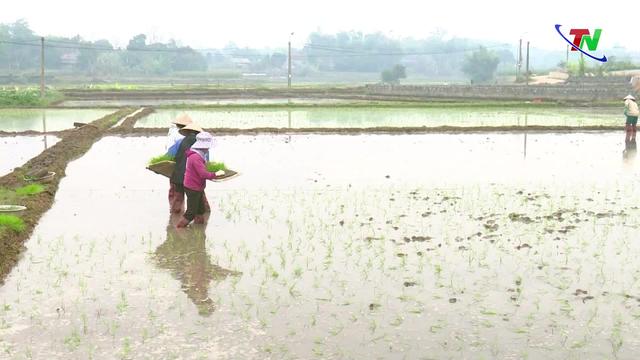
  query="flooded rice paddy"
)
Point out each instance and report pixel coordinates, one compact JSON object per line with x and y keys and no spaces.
{"x":191,"y":101}
{"x":411,"y":246}
{"x":17,"y":150}
{"x":377,"y":117}
{"x":46,"y":119}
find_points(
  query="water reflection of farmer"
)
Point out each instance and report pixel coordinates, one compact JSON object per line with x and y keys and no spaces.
{"x":631,"y":112}
{"x":630,"y":150}
{"x":185,"y":255}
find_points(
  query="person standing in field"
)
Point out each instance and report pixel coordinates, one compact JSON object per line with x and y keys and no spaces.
{"x":195,"y":178}
{"x":189,"y":133}
{"x":631,"y":112}
{"x":174,"y":138}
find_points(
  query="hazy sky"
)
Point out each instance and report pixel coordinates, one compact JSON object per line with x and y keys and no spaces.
{"x":267,"y":23}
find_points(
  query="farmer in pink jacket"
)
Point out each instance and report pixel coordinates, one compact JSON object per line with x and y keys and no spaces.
{"x":195,"y":178}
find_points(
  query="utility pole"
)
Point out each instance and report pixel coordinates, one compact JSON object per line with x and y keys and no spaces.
{"x":567,"y":61}
{"x":42,"y":67}
{"x":527,"y":73}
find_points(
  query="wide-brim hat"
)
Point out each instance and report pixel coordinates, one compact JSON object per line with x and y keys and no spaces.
{"x":204,"y":140}
{"x":182,"y":119}
{"x":192,"y":127}
{"x":629,"y":97}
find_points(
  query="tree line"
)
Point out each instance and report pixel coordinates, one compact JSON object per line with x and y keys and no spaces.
{"x":435,"y":56}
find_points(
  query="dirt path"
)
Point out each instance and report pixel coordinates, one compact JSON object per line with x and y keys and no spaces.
{"x":74,"y":143}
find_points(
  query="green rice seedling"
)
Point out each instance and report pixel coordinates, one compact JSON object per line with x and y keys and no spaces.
{"x":11,"y":222}
{"x":31,"y":189}
{"x":161,"y":158}
{"x":215,"y":166}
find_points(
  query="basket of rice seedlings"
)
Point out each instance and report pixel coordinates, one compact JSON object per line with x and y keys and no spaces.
{"x":162,"y":165}
{"x":221,"y":171}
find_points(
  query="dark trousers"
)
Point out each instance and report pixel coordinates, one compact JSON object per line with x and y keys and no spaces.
{"x":195,"y":204}
{"x":176,"y":198}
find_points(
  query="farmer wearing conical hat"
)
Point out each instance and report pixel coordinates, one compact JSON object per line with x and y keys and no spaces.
{"x":174,"y":138}
{"x":176,"y":197}
{"x":631,"y":112}
{"x":174,"y":135}
{"x":195,"y":178}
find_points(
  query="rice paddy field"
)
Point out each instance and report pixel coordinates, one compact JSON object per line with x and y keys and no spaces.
{"x":363,"y":117}
{"x":43,"y":120}
{"x":430,"y":246}
{"x":191,"y":101}
{"x":17,"y":150}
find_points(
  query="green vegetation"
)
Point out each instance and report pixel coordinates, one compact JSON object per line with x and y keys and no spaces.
{"x":215,"y":166}
{"x":11,"y":222}
{"x":9,"y":196}
{"x":581,"y":67}
{"x":27,"y":97}
{"x":93,"y":57}
{"x":347,"y":56}
{"x":481,"y":65}
{"x":161,"y":158}
{"x":393,"y":75}
{"x":29,"y":190}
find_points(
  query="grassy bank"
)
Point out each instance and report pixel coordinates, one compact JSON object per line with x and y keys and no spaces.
{"x":28,"y":97}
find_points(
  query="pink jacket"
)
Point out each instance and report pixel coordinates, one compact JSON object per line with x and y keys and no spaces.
{"x":196,"y":174}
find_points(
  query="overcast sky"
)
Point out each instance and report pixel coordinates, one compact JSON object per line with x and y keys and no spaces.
{"x":267,"y":23}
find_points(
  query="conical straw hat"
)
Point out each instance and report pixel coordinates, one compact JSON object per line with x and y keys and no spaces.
{"x":182,"y":119}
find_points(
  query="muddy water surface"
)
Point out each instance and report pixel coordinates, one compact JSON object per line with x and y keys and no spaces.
{"x":47,"y":119}
{"x":425,"y":246}
{"x":17,"y":150}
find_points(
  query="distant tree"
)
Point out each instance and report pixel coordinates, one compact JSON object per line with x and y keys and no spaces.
{"x":393,"y":75}
{"x":138,"y":42}
{"x":481,"y":65}
{"x":187,"y":59}
{"x":110,"y":63}
{"x":278,"y":60}
{"x":88,"y":57}
{"x":17,"y":56}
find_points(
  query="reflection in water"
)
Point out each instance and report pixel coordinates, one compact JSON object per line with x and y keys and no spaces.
{"x":289,"y":116}
{"x":526,"y":121}
{"x":44,"y":129}
{"x":630,"y":151}
{"x":184,"y":254}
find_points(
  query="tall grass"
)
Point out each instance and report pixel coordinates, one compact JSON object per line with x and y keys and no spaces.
{"x":27,"y":97}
